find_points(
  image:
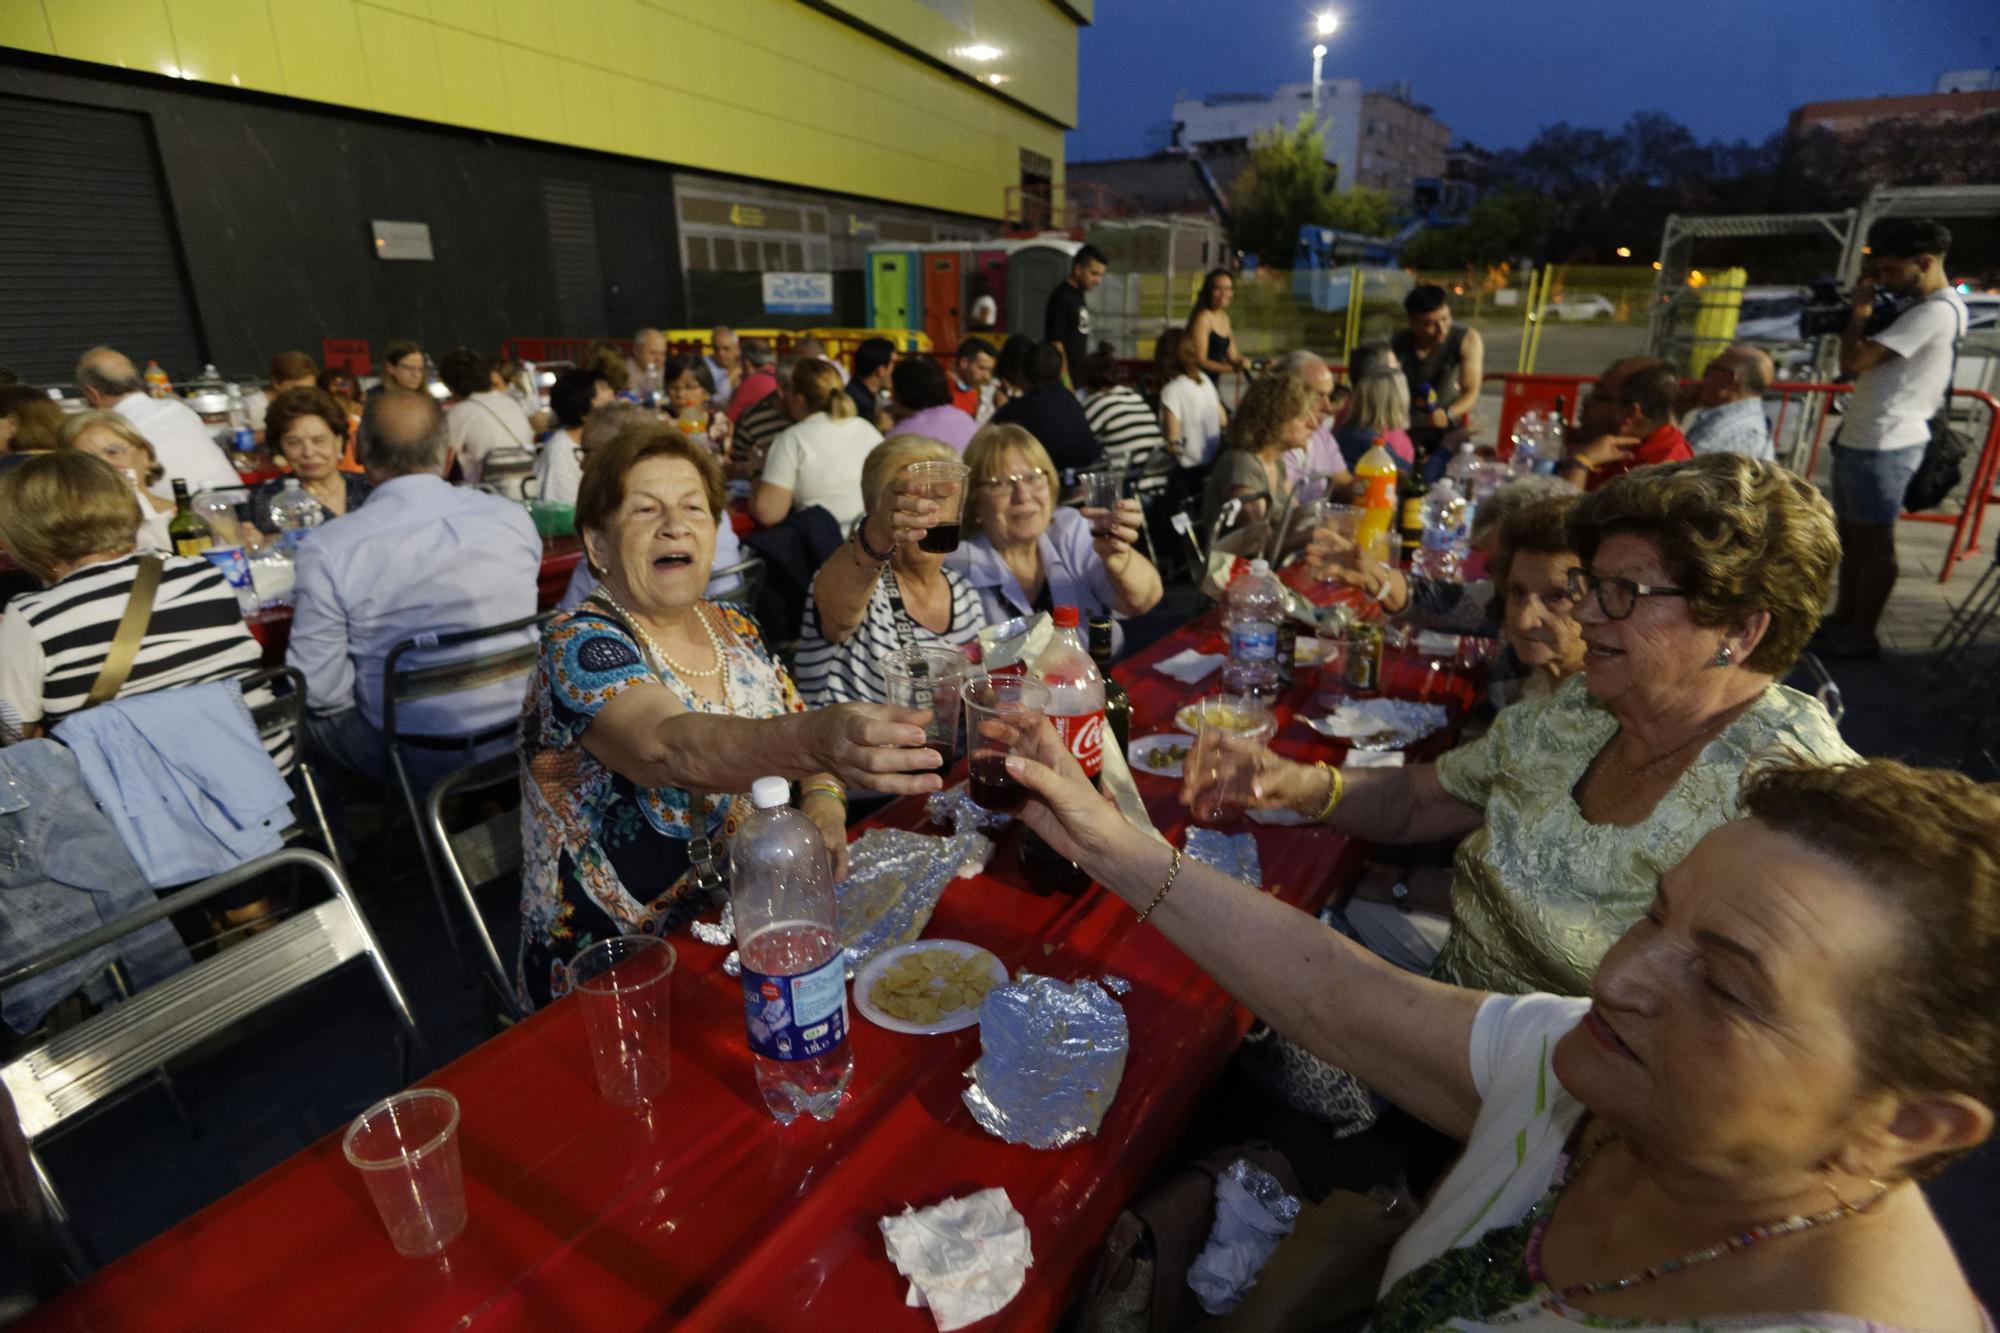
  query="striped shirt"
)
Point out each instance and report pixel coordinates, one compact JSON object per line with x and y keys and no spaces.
{"x":53,"y":642}
{"x":851,"y":671}
{"x":1121,"y":421}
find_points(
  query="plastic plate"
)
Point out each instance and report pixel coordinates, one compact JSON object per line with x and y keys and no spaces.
{"x":871,"y":972}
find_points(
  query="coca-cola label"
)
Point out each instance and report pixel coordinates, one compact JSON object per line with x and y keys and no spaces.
{"x":1083,"y":733}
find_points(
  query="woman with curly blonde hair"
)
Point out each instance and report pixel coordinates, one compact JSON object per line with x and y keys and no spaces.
{"x":1277,"y":415}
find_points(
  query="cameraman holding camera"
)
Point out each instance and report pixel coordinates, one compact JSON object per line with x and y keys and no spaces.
{"x":1901,"y":373}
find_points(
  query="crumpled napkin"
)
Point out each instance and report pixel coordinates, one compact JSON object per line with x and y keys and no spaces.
{"x":1188,"y":666}
{"x":1379,"y":724}
{"x":1252,"y":1214}
{"x":965,"y":1258}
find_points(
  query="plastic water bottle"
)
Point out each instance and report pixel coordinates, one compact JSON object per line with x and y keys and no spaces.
{"x":1464,"y":467}
{"x":1447,"y":532}
{"x":295,"y":513}
{"x":1250,"y":614}
{"x":242,"y":440}
{"x":1528,"y":435}
{"x":1076,"y":691}
{"x":794,"y":971}
{"x":272,"y":575}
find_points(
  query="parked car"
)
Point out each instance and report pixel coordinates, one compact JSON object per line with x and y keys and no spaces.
{"x":1584,"y":305}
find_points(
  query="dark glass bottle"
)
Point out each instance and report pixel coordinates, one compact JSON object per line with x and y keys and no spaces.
{"x":1117,"y":704}
{"x":187,"y":530}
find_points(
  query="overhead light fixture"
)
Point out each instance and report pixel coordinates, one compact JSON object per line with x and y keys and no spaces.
{"x":1624,"y":252}
{"x":1319,"y":52}
{"x":981,"y":52}
{"x":1328,"y":21}
{"x":996,"y":79}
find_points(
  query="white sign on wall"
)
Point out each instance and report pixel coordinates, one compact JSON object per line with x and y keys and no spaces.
{"x":402,"y":240}
{"x":798,"y":293}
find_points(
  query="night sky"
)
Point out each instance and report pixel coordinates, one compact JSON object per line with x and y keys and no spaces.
{"x":1495,"y":71}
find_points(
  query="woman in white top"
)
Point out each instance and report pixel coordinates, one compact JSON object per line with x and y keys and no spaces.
{"x":1191,"y":415}
{"x":118,"y":442}
{"x":559,"y":467}
{"x":817,"y":461}
{"x":882,"y":591}
{"x":1728,"y":1132}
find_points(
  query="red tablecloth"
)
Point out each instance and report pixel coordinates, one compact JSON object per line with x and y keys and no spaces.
{"x":706,"y":1213}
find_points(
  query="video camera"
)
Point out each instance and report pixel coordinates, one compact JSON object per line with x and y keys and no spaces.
{"x":1828,"y":310}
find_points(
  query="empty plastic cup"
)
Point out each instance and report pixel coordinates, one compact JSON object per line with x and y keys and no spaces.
{"x":625,"y":985}
{"x":406,"y":1147}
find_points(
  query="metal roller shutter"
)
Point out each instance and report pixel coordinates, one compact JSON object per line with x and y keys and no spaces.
{"x":90,"y":254}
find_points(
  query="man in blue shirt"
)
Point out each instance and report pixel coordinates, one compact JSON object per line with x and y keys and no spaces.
{"x":421,"y":557}
{"x":1731,"y":398}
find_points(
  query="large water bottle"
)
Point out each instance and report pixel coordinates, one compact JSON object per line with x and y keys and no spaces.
{"x":1447,"y":532}
{"x":794,"y":971}
{"x":1464,"y":467}
{"x":295,"y":514}
{"x":272,"y":575}
{"x":1251,"y":610}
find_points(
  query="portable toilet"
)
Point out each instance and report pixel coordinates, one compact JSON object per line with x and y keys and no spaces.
{"x":1033,"y":270}
{"x":987,"y":276}
{"x":895,"y":298}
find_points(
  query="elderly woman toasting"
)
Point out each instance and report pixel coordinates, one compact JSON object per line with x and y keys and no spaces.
{"x":1022,"y":553}
{"x":651,"y":707}
{"x":1698,"y":585}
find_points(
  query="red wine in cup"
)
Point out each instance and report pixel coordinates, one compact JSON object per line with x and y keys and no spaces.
{"x":991,"y":786}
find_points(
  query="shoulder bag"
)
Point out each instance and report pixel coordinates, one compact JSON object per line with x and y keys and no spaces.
{"x":131,"y":630}
{"x":1943,"y":463}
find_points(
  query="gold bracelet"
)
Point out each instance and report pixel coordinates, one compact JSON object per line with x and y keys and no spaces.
{"x":1172,"y":875}
{"x":826,"y":788}
{"x":1336,"y":789}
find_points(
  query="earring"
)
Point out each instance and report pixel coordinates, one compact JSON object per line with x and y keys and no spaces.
{"x":1724,"y":655}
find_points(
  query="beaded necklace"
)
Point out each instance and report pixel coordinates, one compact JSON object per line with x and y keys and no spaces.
{"x":1553,"y":1299}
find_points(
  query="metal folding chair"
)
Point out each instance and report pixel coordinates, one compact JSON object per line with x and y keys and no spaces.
{"x":1969,"y":621}
{"x":479,"y":854}
{"x":750,"y":572}
{"x":284,"y":714}
{"x":402,"y":686}
{"x":79,"y":1068}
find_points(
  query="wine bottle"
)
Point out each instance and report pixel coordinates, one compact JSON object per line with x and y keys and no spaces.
{"x":187,"y":530}
{"x":1117,"y":704}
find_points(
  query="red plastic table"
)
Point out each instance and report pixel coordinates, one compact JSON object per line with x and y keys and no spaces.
{"x":705,"y":1213}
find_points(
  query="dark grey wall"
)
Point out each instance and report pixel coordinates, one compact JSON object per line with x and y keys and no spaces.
{"x":272,"y":202}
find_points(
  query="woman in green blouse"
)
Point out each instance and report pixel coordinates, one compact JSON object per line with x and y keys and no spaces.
{"x":1700,"y":583}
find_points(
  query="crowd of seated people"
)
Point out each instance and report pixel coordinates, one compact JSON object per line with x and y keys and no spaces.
{"x":1641,"y":749}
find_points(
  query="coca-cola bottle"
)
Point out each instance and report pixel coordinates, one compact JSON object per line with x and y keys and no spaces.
{"x":1076,"y":710}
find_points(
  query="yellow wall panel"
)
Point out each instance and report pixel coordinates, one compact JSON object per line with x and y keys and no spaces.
{"x":402,"y":64}
{"x":770,"y":89}
{"x":24,"y":25}
{"x":473,"y":76}
{"x":131,"y":34}
{"x":227,"y":41}
{"x":319,"y":49}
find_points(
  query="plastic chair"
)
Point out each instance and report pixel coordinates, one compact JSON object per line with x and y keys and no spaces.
{"x":750,"y":583}
{"x":404,"y":685}
{"x":477,"y":855}
{"x":76,"y":1070}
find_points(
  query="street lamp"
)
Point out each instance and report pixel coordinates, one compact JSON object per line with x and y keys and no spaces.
{"x":1326,"y":23}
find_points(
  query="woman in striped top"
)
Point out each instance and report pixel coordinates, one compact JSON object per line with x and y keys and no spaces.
{"x":1118,"y":416}
{"x":71,"y":520}
{"x":879,"y":591}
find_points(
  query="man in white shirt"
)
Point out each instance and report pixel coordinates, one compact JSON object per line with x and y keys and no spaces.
{"x":1731,"y":398}
{"x":180,"y":441}
{"x":649,"y":358}
{"x":483,"y":420}
{"x":1901,"y":375}
{"x":725,"y":363}
{"x":422,"y":557}
{"x":573,"y":397}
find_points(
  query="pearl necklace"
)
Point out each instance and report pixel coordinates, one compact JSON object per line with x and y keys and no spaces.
{"x":661,"y":657}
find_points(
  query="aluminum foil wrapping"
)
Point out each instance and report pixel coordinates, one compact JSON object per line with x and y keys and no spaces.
{"x":718,"y":932}
{"x":1051,"y":1056}
{"x":1262,"y":1186}
{"x":1234,"y":854}
{"x":1117,"y":985}
{"x":955,"y":809}
{"x":894,"y":879}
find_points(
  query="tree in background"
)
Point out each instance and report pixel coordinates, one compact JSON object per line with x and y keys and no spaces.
{"x":1290,"y":184}
{"x":1499,"y":229}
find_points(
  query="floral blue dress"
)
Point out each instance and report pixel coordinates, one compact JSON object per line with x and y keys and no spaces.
{"x":602,"y":855}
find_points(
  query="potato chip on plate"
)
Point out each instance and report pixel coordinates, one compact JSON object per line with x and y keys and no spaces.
{"x":927,"y":986}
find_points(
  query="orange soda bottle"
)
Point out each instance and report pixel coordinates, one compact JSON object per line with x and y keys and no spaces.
{"x":1377,"y":470}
